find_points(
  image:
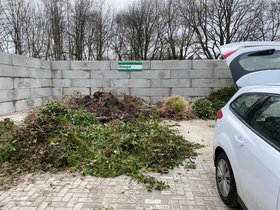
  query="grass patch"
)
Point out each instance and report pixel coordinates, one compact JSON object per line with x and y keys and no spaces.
{"x":59,"y":137}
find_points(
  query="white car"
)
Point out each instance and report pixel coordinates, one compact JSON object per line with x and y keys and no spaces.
{"x":247,"y":139}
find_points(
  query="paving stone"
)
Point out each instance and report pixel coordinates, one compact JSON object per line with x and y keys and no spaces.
{"x":153,"y":201}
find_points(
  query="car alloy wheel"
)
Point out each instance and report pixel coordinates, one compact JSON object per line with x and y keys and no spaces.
{"x":225,"y":181}
{"x":223,"y":177}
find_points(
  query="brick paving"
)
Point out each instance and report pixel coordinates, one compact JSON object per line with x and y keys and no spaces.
{"x":193,"y":189}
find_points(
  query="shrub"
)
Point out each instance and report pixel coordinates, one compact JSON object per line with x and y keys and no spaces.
{"x":220,"y":97}
{"x":6,"y":151}
{"x":223,"y":94}
{"x":176,"y":104}
{"x":204,"y":109}
{"x":8,"y":132}
{"x":177,"y":107}
{"x":207,"y":108}
{"x":218,"y":104}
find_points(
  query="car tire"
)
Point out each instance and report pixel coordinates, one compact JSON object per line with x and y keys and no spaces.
{"x":225,"y":181}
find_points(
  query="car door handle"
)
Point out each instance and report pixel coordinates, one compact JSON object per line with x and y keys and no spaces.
{"x":239,"y":140}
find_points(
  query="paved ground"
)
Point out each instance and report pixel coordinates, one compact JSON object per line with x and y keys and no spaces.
{"x":190,"y":189}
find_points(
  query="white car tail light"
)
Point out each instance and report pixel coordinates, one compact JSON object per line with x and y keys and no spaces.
{"x":229,"y":53}
{"x":219,"y":114}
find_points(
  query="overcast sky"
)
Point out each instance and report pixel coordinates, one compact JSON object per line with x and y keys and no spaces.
{"x":121,"y":3}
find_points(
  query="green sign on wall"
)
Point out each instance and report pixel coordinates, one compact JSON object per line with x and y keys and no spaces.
{"x":130,"y":66}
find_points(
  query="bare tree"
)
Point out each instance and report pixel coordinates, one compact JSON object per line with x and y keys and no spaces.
{"x":99,"y":31}
{"x":13,"y":23}
{"x":55,"y":14}
{"x":80,"y":21}
{"x":118,"y":42}
{"x":267,"y":22}
{"x":141,"y":21}
{"x":36,"y":32}
{"x":178,"y":33}
{"x":147,"y":29}
{"x":218,"y":22}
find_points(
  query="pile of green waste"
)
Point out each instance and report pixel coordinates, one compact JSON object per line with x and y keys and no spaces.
{"x":58,"y":137}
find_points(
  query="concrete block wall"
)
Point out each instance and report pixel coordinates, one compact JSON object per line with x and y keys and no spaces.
{"x":27,"y":82}
{"x":158,"y":79}
{"x":24,"y":83}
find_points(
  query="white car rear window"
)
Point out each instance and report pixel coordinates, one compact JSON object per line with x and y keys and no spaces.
{"x":261,"y":61}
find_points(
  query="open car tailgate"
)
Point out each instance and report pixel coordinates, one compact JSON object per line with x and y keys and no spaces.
{"x":253,"y":63}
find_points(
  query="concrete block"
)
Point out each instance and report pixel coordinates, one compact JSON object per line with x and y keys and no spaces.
{"x":227,"y":82}
{"x":46,"y":99}
{"x":19,"y":60}
{"x":40,"y":73}
{"x":130,"y":83}
{"x":6,"y":83}
{"x":20,"y":71}
{"x":76,"y":91}
{"x":81,"y":82}
{"x":220,"y":64}
{"x":192,"y":92}
{"x":203,"y":64}
{"x":40,"y":92}
{"x":109,"y":75}
{"x":91,"y":65}
{"x":100,"y":83}
{"x":120,"y":91}
{"x":171,"y":64}
{"x":28,"y":104}
{"x":14,"y":94}
{"x":6,"y":58}
{"x":150,"y":91}
{"x":6,"y":70}
{"x":46,"y":64}
{"x":57,"y":92}
{"x":189,"y":74}
{"x":171,"y":83}
{"x":61,"y":65}
{"x":212,"y":83}
{"x":215,"y":89}
{"x":146,"y":65}
{"x":7,"y":108}
{"x":27,"y":83}
{"x":222,"y":73}
{"x":76,"y":74}
{"x":151,"y":74}
{"x":46,"y":82}
{"x":13,"y":71}
{"x":155,"y":100}
{"x":61,"y":83}
{"x":56,"y":74}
